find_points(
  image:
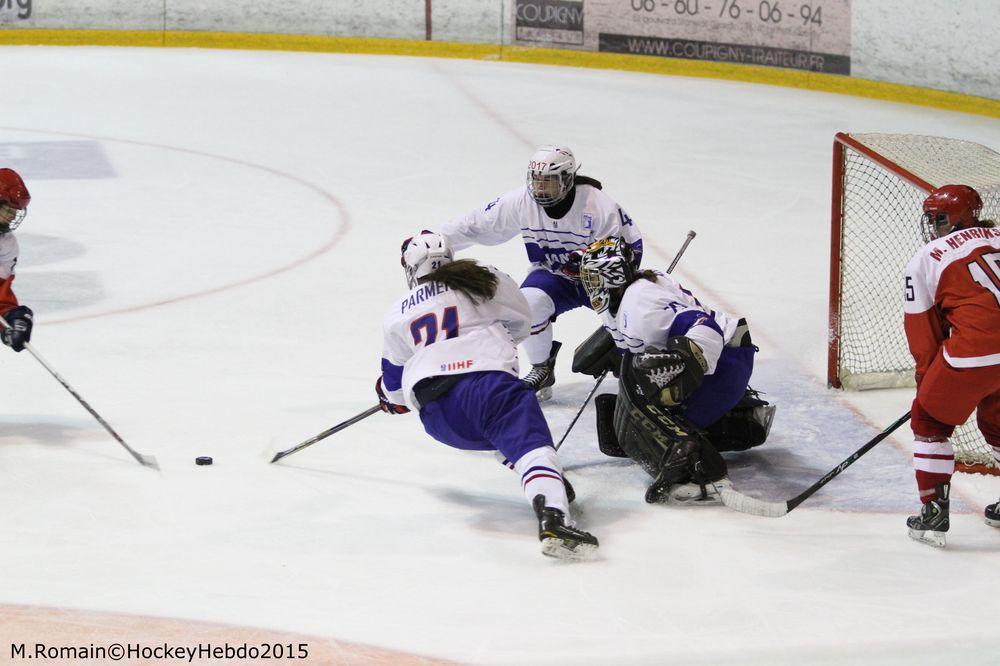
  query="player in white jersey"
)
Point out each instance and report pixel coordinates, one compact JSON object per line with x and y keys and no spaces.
{"x":450,"y":351}
{"x":685,"y":369}
{"x":952,"y":318}
{"x":14,"y":199}
{"x":558,"y":214}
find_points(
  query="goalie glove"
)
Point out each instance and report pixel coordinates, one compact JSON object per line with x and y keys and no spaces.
{"x":384,"y":403}
{"x":668,"y":376}
{"x":19,"y":333}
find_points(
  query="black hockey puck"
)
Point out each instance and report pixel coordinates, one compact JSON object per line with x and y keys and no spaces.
{"x":203,"y":460}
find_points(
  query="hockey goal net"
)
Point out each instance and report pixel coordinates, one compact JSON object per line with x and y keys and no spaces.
{"x":879,"y":184}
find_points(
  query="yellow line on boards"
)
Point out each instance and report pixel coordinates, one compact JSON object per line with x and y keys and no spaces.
{"x":831,"y":83}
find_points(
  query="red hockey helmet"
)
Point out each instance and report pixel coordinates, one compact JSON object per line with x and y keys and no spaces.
{"x":950,"y":207}
{"x":14,"y":200}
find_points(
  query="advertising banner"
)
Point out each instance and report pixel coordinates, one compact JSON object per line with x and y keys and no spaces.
{"x":810,"y":35}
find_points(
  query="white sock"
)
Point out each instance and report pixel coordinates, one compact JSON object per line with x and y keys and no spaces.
{"x":538,"y":345}
{"x":541,"y":474}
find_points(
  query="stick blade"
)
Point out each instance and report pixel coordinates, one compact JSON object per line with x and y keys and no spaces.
{"x":281,"y":454}
{"x":737,"y":501}
{"x":148,"y":461}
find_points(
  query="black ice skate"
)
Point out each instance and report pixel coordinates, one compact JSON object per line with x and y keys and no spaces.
{"x":993,"y":514}
{"x":543,"y":375}
{"x":931,"y":524}
{"x":558,"y":539}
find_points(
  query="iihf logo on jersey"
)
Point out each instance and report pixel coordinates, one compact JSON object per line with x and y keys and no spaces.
{"x":588,"y":221}
{"x":456,"y":365}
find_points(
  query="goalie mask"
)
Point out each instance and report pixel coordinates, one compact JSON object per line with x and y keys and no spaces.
{"x":14,"y":200}
{"x":949,"y":208}
{"x":551,"y":173}
{"x":424,"y":254}
{"x":607,"y":267}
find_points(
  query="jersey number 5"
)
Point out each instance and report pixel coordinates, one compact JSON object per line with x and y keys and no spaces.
{"x":425,"y":329}
{"x":981,"y":276}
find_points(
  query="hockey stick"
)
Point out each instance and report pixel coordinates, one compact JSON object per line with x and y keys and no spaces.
{"x":147,"y":461}
{"x":680,"y":253}
{"x":326,"y":433}
{"x":600,"y":379}
{"x":745,"y":504}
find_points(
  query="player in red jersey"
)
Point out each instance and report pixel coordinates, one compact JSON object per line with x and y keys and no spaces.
{"x":952,"y":306}
{"x":14,"y":199}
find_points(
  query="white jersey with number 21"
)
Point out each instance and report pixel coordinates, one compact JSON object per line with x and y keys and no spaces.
{"x":434,"y":330}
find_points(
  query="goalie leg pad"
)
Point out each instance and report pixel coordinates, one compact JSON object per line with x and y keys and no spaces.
{"x":607,"y":440}
{"x":639,"y":437}
{"x":744,"y":426}
{"x":652,"y":436}
{"x":690,"y":474}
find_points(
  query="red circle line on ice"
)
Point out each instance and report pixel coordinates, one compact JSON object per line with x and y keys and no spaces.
{"x":331,"y":243}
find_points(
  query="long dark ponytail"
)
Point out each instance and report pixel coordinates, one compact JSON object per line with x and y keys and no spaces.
{"x":466,"y":276}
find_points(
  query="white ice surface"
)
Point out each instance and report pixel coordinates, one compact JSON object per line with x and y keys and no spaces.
{"x":221,"y":296}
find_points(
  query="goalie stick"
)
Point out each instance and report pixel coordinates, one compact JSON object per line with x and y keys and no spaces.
{"x":680,"y":253}
{"x":600,"y":379}
{"x":746,"y":504}
{"x":326,"y":433}
{"x":146,"y":461}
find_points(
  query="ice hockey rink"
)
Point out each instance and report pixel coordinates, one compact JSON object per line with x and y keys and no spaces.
{"x":212,"y":240}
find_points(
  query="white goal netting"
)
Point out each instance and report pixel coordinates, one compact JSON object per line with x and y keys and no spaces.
{"x":880,"y":182}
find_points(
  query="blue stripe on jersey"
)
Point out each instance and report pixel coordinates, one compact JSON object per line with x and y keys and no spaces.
{"x":688,"y":319}
{"x":392,"y":376}
{"x":553,"y":231}
{"x":571,"y":244}
{"x":696,"y":301}
{"x":630,"y":340}
{"x":551,"y":255}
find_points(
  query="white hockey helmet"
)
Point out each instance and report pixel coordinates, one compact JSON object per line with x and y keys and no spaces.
{"x":551,"y":172}
{"x":422,"y":254}
{"x":606,"y":268}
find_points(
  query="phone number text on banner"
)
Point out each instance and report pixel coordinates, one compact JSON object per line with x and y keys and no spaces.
{"x":811,"y":35}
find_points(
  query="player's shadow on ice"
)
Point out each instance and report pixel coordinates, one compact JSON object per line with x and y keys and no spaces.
{"x":508,"y":515}
{"x":49,"y":434}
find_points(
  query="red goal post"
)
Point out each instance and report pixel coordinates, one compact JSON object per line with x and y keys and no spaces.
{"x":879,"y":184}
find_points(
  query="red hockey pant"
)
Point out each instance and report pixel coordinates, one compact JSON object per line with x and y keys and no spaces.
{"x":946,"y":398}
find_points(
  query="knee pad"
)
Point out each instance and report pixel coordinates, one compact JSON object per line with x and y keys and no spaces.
{"x":543,"y":308}
{"x":925,"y":425}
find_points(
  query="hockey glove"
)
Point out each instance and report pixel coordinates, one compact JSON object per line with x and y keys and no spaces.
{"x":571,"y":267}
{"x":383,"y":402}
{"x":668,"y":376}
{"x":19,"y":332}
